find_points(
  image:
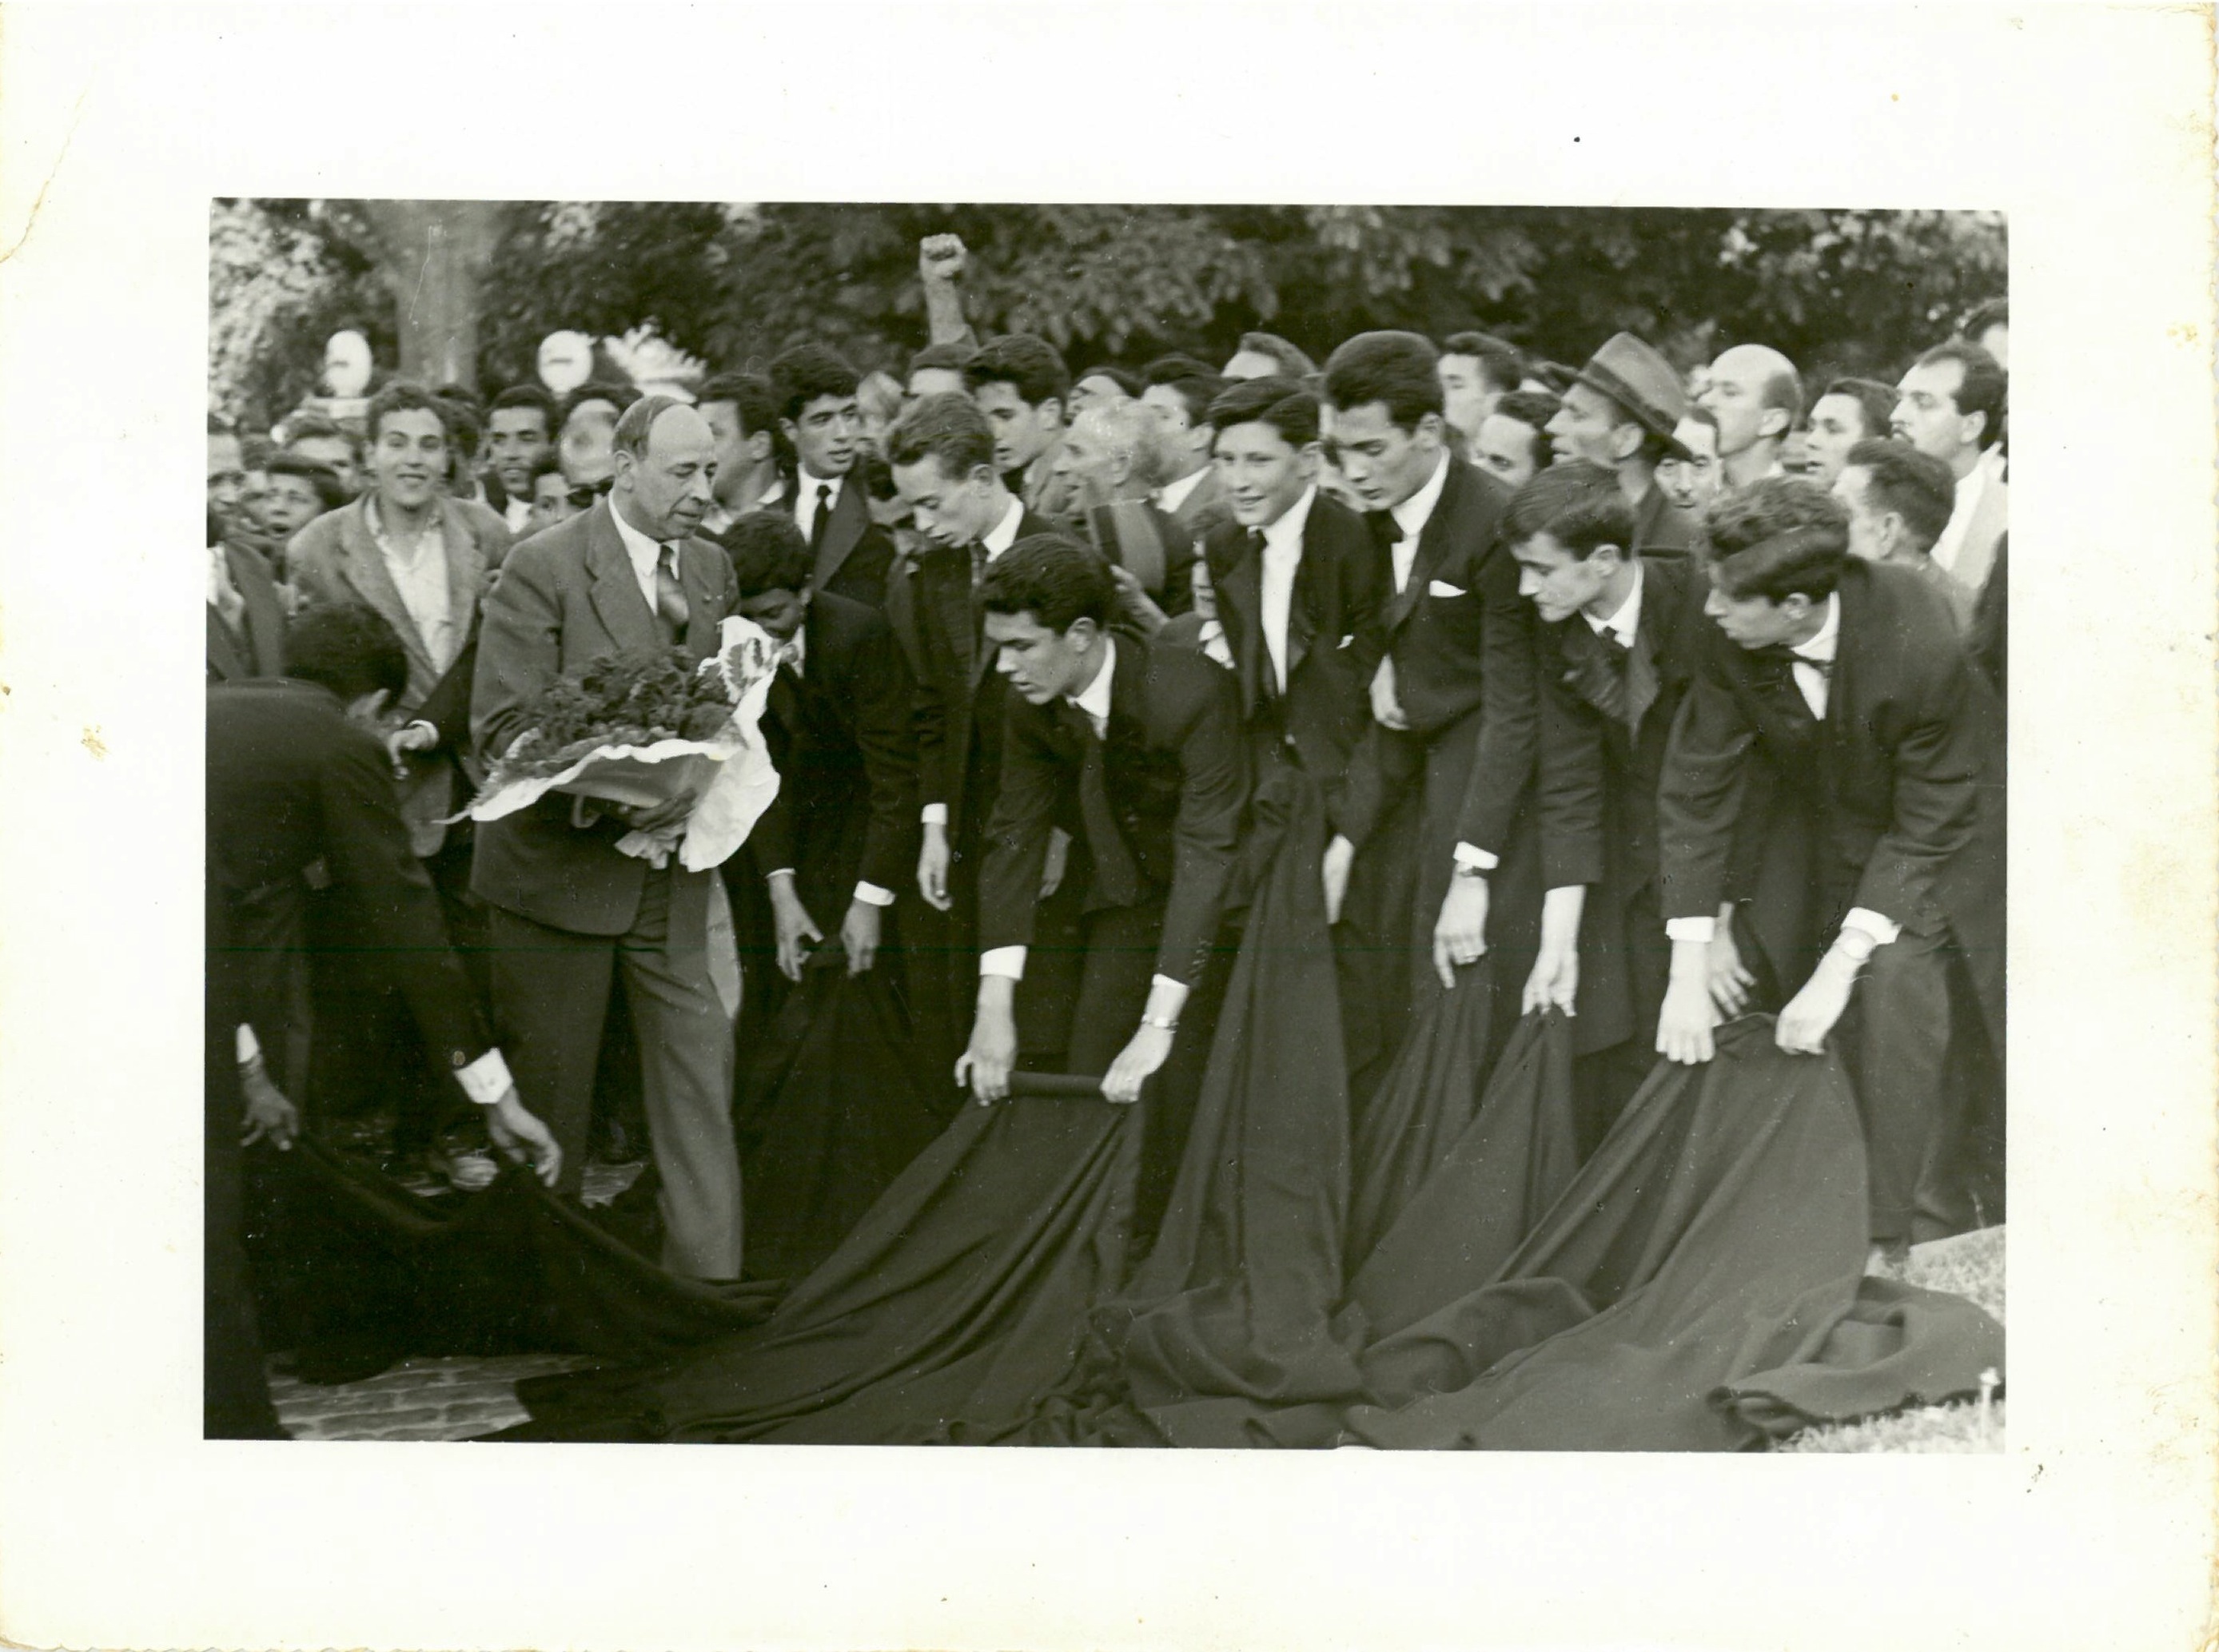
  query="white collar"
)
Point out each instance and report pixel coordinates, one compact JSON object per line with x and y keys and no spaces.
{"x":1172,"y":494}
{"x":1414,"y":512}
{"x":1625,"y":621}
{"x":1973,"y":484}
{"x":1821,"y":647}
{"x":810,"y":482}
{"x":773,"y":494}
{"x":387,"y":538}
{"x":644,"y":552}
{"x":1004,"y":534}
{"x":1094,"y":699}
{"x":1285,"y":536}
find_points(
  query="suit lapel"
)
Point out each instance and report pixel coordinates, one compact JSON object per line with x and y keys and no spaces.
{"x":851,"y":514}
{"x":623,"y":611}
{"x":367,"y":572}
{"x":223,"y":648}
{"x":465,"y":569}
{"x":1431,"y":539}
{"x":702,"y":627}
{"x":1244,"y":600}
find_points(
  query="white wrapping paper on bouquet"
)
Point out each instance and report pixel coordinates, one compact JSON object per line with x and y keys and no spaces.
{"x":732,"y":771}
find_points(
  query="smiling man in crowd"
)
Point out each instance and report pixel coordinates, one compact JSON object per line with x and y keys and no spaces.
{"x":823,"y":423}
{"x":567,"y":906}
{"x":519,"y":431}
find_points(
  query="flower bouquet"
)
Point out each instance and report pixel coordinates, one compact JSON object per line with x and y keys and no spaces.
{"x":639,"y":728}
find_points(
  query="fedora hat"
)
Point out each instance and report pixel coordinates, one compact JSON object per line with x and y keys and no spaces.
{"x":1631,"y":373}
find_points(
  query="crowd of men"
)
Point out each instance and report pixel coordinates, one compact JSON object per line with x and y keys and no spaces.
{"x":1663,"y":697}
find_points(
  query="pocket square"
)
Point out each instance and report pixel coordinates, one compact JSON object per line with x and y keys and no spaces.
{"x":1346,"y":639}
{"x":1443,"y":588}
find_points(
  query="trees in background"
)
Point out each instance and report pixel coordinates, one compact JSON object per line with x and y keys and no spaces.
{"x":1839,"y":291}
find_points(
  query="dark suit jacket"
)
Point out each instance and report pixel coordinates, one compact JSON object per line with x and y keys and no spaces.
{"x":1599,"y":777}
{"x":290,"y":782}
{"x":1205,"y":506}
{"x":1175,"y":784}
{"x":1661,"y":528}
{"x":1903,"y":777}
{"x":261,"y":651}
{"x":1462,"y":640}
{"x":940,"y":629}
{"x":856,"y":554}
{"x":336,"y":559}
{"x":841,"y":740}
{"x":1334,"y":639}
{"x":568,"y":597}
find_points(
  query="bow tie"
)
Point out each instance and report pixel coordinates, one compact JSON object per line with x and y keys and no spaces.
{"x":1385,"y":530}
{"x":1786,"y":657}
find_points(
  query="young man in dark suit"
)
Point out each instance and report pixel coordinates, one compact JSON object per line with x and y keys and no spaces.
{"x":1454,"y":700}
{"x":1299,"y":587}
{"x":823,"y":425}
{"x":1179,"y":392}
{"x":296,"y":776}
{"x":567,"y":906}
{"x":1619,"y":641}
{"x":1023,"y":386}
{"x":1142,"y":745}
{"x":840,"y":836}
{"x":1850,"y":678}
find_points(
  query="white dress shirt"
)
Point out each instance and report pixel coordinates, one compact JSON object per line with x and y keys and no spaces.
{"x":1812,"y":684}
{"x":644,"y":552}
{"x":806,"y":492}
{"x":518,"y":515}
{"x":1094,"y":700}
{"x":1411,"y":516}
{"x":1625,"y":623}
{"x":1951,"y":545}
{"x":794,"y":657}
{"x":1172,"y":494}
{"x":418,"y":564}
{"x":995,"y":540}
{"x":1283,"y":558}
{"x":485,"y":1081}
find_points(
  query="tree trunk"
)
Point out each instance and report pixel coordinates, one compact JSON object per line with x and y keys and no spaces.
{"x":435,"y":252}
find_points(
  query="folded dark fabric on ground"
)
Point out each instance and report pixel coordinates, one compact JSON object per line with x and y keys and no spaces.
{"x":832,"y":1108}
{"x":351,"y":1261}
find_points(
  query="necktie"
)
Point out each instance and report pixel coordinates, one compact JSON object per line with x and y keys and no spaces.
{"x":670,"y":605}
{"x":1116,"y":881}
{"x":978,"y":566}
{"x":821,"y":515}
{"x":1387,"y":534}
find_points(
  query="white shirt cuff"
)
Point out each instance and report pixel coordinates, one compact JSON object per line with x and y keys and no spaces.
{"x":1881,"y":929}
{"x":1165,"y":980}
{"x":935,"y":814}
{"x":249,"y":1046}
{"x":781,"y":872}
{"x":1008,"y":961}
{"x":486,"y":1080}
{"x":1470,"y":855}
{"x":1703,"y":929}
{"x":872,"y":895}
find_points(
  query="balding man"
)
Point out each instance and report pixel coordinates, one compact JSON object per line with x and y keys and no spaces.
{"x":1756,"y":396}
{"x":630,"y":576}
{"x":1111,"y":461}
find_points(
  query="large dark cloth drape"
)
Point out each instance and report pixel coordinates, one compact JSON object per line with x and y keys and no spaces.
{"x":831,"y":1108}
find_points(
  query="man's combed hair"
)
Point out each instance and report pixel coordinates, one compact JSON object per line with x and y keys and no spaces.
{"x":1533,"y":409}
{"x":1129,"y":383}
{"x":948,"y":358}
{"x":1775,"y":538}
{"x":638,"y":421}
{"x":1279,"y":401}
{"x":809,"y":373}
{"x":767,"y":552}
{"x":1578,"y":504}
{"x":402,"y":396}
{"x":1195,"y":383}
{"x":526,"y":395}
{"x":1057,"y":580}
{"x":1291,"y":360}
{"x":1876,"y":402}
{"x":1985,"y":388}
{"x":1501,"y":364}
{"x":330,"y":492}
{"x":620,"y":396}
{"x":1988,"y":312}
{"x":1032,"y":366}
{"x":314,"y":427}
{"x":348,"y":647}
{"x":1401,"y":370}
{"x":755,"y":400}
{"x":948,"y":427}
{"x":1916,"y":487}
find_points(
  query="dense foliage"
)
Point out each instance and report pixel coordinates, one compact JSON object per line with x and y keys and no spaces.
{"x":1837,"y":290}
{"x":629,"y":700}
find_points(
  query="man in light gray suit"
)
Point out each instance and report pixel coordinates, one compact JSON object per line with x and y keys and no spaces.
{"x":631,"y":575}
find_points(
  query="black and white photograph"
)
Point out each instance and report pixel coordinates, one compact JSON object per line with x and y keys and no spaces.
{"x":1226,"y":826}
{"x":1276,"y":743}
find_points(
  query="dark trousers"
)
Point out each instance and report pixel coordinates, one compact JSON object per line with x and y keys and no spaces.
{"x":550,"y":990}
{"x":1895,"y":1043}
